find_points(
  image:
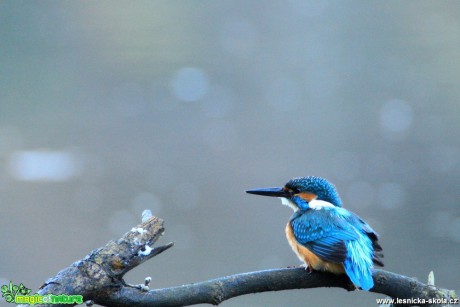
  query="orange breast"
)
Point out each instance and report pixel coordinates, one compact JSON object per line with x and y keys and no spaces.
{"x":310,"y":258}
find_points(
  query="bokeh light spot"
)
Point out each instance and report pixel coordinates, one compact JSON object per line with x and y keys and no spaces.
{"x":395,"y":117}
{"x":43,"y":165}
{"x":190,"y":84}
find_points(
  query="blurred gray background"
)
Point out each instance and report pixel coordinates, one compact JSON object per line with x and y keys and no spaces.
{"x":108,"y":108}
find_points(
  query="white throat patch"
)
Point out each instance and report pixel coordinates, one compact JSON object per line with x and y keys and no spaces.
{"x":289,"y":203}
{"x":314,"y":204}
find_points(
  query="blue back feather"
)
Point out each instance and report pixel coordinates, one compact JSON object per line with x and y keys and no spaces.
{"x":359,"y":263}
{"x":339,"y":236}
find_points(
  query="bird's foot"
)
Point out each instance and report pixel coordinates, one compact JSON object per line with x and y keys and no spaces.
{"x":307,"y":267}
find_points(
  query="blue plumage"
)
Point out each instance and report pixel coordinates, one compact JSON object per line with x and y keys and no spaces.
{"x":322,"y":233}
{"x":359,"y":263}
{"x":337,"y":236}
{"x":323,"y":189}
{"x":321,"y":228}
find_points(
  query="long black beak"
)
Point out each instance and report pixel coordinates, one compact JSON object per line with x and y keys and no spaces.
{"x":274,"y":192}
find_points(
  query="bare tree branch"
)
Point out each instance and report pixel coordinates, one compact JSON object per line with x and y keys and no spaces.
{"x":99,"y":277}
{"x":218,"y":290}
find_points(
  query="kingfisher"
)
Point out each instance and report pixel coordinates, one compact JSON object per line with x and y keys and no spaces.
{"x":323,"y":234}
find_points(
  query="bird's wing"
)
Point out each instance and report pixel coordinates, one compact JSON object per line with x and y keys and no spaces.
{"x":324,"y":232}
{"x":366,"y":229}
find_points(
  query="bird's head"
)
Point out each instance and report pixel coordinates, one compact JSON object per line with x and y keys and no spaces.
{"x":304,"y":193}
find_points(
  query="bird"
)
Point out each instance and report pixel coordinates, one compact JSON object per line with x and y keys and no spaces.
{"x":324,"y":235}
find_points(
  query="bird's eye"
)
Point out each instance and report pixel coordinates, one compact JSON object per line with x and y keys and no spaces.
{"x":293,"y":191}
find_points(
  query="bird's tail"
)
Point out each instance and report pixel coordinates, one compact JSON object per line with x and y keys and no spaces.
{"x":358,"y":264}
